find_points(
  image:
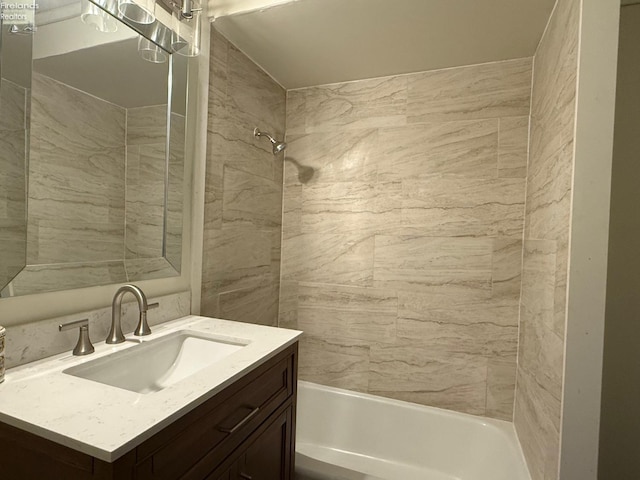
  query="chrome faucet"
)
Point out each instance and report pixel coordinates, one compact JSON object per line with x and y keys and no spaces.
{"x":115,"y":334}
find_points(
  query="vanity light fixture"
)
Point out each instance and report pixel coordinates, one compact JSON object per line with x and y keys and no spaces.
{"x":138,"y":11}
{"x":186,"y":31}
{"x":101,"y":20}
{"x":150,"y":52}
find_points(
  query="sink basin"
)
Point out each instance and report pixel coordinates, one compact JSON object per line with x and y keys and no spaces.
{"x":156,"y":364}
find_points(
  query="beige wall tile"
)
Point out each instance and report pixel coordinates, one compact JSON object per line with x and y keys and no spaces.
{"x":455,"y":206}
{"x":468,"y":149}
{"x":333,"y":362}
{"x":351,"y":207}
{"x":501,"y":385}
{"x":491,"y":90}
{"x":534,"y":417}
{"x":513,"y":151}
{"x":12,"y":99}
{"x":243,"y":192}
{"x":249,"y":199}
{"x":296,"y":112}
{"x":379,"y":102}
{"x":353,"y":313}
{"x":549,"y":198}
{"x":147,"y":125}
{"x":547,"y":224}
{"x":418,"y":263}
{"x":236,"y":256}
{"x":507,"y":268}
{"x":258,"y":304}
{"x":345,"y":259}
{"x":416,"y":209}
{"x":437,"y":377}
{"x":336,"y":156}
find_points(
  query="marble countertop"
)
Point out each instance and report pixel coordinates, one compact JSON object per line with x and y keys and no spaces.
{"x":106,"y":422}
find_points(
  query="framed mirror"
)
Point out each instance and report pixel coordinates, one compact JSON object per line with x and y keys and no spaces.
{"x":97,"y":193}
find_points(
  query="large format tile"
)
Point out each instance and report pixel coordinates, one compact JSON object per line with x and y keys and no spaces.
{"x":379,"y":102}
{"x":253,"y":95}
{"x":507,"y":268}
{"x":236,"y":257}
{"x":334,"y":258}
{"x":336,"y":156}
{"x":334,"y":362}
{"x":249,"y":199}
{"x":492,"y":90}
{"x":436,"y":377}
{"x":468,"y":149}
{"x":513,"y":150}
{"x":428,"y":263}
{"x":535,"y":417}
{"x":258,"y":304}
{"x":147,"y":125}
{"x":351,"y":207}
{"x":555,"y":81}
{"x":501,"y":385}
{"x":455,"y":206}
{"x":354,"y":313}
{"x":12,"y":103}
{"x":548,"y":207}
{"x":73,"y":118}
{"x":58,"y":241}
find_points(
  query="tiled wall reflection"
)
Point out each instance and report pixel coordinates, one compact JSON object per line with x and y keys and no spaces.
{"x":402,"y":254}
{"x":243,"y":197}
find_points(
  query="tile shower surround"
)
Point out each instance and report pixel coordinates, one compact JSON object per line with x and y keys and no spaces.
{"x":546,"y":239}
{"x":243,"y":193}
{"x":401,"y":257}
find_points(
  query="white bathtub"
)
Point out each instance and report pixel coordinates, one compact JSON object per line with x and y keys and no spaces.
{"x":353,"y":436}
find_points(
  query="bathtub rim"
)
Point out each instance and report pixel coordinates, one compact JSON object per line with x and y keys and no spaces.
{"x":502,"y":427}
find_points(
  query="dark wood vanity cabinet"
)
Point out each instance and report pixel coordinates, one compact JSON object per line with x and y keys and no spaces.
{"x":245,"y":432}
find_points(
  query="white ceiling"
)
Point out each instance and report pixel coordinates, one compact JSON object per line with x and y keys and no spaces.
{"x":313,"y":42}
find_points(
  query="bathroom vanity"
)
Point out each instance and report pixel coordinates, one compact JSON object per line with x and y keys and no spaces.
{"x":63,"y":417}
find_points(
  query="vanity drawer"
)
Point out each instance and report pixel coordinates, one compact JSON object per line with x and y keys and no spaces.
{"x":221,"y":423}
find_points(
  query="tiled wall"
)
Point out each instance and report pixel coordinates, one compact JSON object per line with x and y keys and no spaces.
{"x":146,"y":145}
{"x":76,"y":176}
{"x":13,"y":164}
{"x":547,"y":224}
{"x":96,"y":215}
{"x":402,"y":254}
{"x":243,"y":198}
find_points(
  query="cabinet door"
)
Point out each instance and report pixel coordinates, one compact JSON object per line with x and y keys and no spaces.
{"x":269,"y":456}
{"x":228,"y":475}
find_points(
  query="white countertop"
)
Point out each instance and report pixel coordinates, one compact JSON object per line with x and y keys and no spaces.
{"x":107,"y":422}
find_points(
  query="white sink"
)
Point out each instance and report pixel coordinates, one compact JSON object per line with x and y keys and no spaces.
{"x":157,"y":364}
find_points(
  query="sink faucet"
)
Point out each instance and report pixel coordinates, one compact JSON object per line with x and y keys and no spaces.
{"x":115,"y":334}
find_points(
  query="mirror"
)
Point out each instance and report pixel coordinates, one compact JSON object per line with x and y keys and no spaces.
{"x":15,"y":82}
{"x":105,"y":133}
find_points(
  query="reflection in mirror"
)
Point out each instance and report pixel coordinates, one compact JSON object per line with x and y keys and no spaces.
{"x":15,"y":80}
{"x":106,"y":157}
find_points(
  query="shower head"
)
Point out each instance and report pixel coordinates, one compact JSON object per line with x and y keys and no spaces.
{"x":277,"y":146}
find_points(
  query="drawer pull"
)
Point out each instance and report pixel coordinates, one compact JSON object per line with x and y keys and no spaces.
{"x":251,"y":414}
{"x":245,"y":476}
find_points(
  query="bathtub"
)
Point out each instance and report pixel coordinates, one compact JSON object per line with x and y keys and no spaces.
{"x":344,"y":435}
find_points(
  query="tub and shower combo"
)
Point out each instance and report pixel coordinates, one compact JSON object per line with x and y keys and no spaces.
{"x":344,"y":435}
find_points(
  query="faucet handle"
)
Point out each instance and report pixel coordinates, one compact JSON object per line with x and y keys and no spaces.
{"x":143,"y":327}
{"x":84,"y":345}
